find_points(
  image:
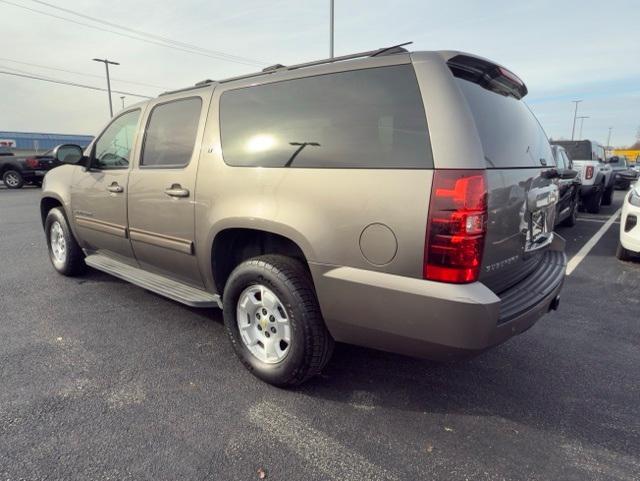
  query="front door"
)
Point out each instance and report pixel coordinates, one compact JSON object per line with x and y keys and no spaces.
{"x":99,"y":193}
{"x":162,"y":189}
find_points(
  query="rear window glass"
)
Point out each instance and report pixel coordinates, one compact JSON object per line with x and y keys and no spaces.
{"x":370,"y":118}
{"x":510,"y":134}
{"x":578,"y":149}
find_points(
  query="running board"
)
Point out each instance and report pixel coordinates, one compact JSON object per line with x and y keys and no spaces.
{"x":178,"y":291}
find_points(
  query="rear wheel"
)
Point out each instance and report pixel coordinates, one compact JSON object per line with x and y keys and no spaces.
{"x":274,"y":322}
{"x":593,"y":202}
{"x":607,"y":197}
{"x":13,"y":179}
{"x":65,"y":253}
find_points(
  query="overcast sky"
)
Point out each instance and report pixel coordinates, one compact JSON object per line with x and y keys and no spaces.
{"x":563,"y":49}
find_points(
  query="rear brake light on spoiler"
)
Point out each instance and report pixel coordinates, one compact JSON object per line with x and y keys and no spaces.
{"x":488,"y":75}
{"x":456,"y":226}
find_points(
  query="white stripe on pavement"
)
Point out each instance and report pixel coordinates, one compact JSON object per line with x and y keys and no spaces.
{"x":584,"y":251}
{"x":333,"y":459}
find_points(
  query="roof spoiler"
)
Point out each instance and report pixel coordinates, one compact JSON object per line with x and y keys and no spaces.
{"x":488,"y":75}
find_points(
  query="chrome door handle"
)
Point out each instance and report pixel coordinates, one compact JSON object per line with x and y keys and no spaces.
{"x":115,"y":188}
{"x":176,"y":190}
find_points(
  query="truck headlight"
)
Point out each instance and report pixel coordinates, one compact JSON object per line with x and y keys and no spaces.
{"x":634,"y":196}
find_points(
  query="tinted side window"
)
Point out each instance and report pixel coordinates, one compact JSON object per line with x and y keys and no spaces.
{"x":370,"y":118}
{"x":510,"y":134}
{"x":171,"y":133}
{"x":113,"y":148}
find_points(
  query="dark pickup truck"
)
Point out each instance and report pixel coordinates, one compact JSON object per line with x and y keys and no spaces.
{"x":16,"y":171}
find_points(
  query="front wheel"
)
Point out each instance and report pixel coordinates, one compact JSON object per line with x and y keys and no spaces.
{"x":622,"y":253}
{"x":273,"y":320}
{"x":13,"y":179}
{"x":573,"y":216}
{"x":65,"y":253}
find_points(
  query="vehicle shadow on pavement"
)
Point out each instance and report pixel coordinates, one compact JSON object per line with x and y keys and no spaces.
{"x":506,"y":383}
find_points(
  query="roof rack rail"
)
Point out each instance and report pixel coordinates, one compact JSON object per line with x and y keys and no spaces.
{"x":370,"y":53}
{"x":199,"y":85}
{"x":393,"y":49}
{"x":271,"y":68}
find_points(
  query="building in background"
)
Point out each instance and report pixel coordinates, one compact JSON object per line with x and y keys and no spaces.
{"x":632,"y":155}
{"x":27,"y":143}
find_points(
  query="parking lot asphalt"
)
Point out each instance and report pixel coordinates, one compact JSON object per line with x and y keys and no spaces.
{"x":103,"y":380}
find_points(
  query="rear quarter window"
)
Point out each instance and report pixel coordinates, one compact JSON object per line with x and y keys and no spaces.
{"x":510,"y":134}
{"x":372,"y":118}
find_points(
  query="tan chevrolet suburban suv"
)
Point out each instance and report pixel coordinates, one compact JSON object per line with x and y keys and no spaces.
{"x":401,"y":201}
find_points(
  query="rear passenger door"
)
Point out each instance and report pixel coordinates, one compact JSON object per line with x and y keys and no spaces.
{"x":162,"y":188}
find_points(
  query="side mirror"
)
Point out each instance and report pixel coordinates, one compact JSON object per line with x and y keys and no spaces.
{"x":568,"y":174}
{"x":68,"y":154}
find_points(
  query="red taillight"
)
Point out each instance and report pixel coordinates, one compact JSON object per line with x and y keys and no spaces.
{"x":32,"y":162}
{"x":589,"y":173}
{"x":456,"y":226}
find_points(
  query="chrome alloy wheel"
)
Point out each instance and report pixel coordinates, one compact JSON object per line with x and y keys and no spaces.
{"x":12,"y":180}
{"x":263,"y":324}
{"x":58,"y":243}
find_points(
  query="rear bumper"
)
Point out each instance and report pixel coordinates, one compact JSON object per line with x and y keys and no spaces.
{"x":430,"y":319}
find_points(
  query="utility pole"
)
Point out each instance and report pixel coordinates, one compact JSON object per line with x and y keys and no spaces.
{"x":106,"y":64}
{"x":575,"y":115}
{"x":609,"y":138}
{"x":331,"y":17}
{"x":122,"y":97}
{"x":582,"y":117}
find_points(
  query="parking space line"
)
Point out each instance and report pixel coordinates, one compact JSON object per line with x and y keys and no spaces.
{"x":589,"y":219}
{"x":324,"y":453}
{"x":584,"y":251}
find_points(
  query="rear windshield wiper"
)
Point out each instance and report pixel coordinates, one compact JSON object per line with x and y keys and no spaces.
{"x":301,"y":145}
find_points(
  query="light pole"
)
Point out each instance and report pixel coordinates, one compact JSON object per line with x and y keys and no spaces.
{"x":582,"y":117}
{"x":122,"y":97}
{"x":575,"y":114}
{"x":331,"y":16}
{"x":609,"y":138}
{"x":106,"y":64}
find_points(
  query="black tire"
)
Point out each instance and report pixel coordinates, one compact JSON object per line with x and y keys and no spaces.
{"x":73,"y":262}
{"x":311,"y":344}
{"x":12,"y":179}
{"x":573,"y":216}
{"x":607,"y":197}
{"x":622,"y":253}
{"x":594,"y":201}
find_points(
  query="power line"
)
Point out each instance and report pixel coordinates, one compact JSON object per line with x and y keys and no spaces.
{"x":146,"y":34}
{"x":81,"y":73}
{"x":194,"y":52}
{"x":72,"y":84}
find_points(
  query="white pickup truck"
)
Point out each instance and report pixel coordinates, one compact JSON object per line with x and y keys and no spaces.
{"x":596,"y":174}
